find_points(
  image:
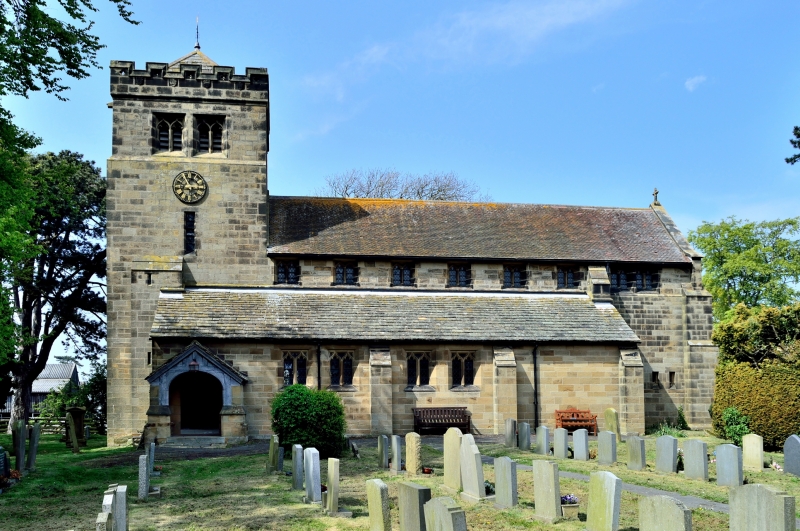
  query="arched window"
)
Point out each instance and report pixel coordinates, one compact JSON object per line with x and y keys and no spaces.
{"x":209,"y":129}
{"x":169,"y":136}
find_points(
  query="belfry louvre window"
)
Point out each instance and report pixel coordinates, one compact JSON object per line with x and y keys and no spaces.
{"x":403,"y":275}
{"x":295,"y":364}
{"x":565,"y":278}
{"x":515,"y":276}
{"x":459,"y":276}
{"x":341,"y":369}
{"x":209,"y":130}
{"x":639,"y":280}
{"x":345,"y":273}
{"x":463,"y":369}
{"x":169,"y":132}
{"x":189,"y":243}
{"x":419,"y":369}
{"x":287,"y":272}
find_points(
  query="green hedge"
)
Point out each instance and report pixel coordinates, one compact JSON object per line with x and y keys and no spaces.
{"x":768,"y":395}
{"x":311,"y":418}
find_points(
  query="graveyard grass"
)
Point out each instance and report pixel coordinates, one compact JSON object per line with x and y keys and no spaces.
{"x":235,"y":494}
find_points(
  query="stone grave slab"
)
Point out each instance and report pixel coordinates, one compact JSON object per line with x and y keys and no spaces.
{"x":663,"y":513}
{"x":383,"y":451}
{"x":33,"y":446}
{"x":444,"y":514}
{"x":511,"y":433}
{"x":505,"y":483}
{"x":605,"y":493}
{"x":607,"y":448}
{"x":144,"y":477}
{"x":472,"y":481}
{"x":19,"y":441}
{"x":378,"y":505}
{"x":546,"y":491}
{"x":413,"y":454}
{"x":272,"y":456}
{"x":729,"y":465}
{"x":298,"y":469}
{"x":791,"y":455}
{"x":104,"y":522}
{"x":580,"y":443}
{"x":396,"y":466}
{"x":542,"y":440}
{"x":452,"y":460}
{"x":753,"y":452}
{"x":524,"y":436}
{"x":611,"y":417}
{"x":667,"y":454}
{"x":152,"y":457}
{"x":280,"y":459}
{"x":312,"y":476}
{"x":561,"y":443}
{"x":121,"y":507}
{"x":761,"y":507}
{"x":637,"y":459}
{"x":73,"y":436}
{"x":332,"y":498}
{"x":695,"y":459}
{"x":411,"y":500}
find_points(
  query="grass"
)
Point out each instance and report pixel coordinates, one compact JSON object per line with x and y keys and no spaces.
{"x":235,"y":494}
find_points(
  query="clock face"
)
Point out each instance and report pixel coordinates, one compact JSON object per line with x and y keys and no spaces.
{"x":189,"y":186}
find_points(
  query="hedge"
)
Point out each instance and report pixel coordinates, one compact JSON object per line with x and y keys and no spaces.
{"x":769,"y":396}
{"x":310,"y":418}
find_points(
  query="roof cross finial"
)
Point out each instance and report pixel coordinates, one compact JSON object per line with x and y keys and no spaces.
{"x":655,"y":196}
{"x":197,"y":34}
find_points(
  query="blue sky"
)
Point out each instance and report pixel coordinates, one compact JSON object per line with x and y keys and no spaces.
{"x":565,"y":101}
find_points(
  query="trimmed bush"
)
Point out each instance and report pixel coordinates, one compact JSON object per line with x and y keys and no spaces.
{"x":769,"y":396}
{"x":311,"y":418}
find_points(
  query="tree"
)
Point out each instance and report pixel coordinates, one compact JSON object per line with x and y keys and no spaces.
{"x":380,"y":183}
{"x":795,"y":142}
{"x":61,"y":289}
{"x":749,"y":262}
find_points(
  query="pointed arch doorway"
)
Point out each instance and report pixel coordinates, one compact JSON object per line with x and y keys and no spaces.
{"x":195,"y":402}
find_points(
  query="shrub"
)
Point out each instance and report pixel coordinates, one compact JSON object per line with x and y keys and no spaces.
{"x":735,"y":425}
{"x":767,"y":395}
{"x":665,"y":428}
{"x":311,"y":418}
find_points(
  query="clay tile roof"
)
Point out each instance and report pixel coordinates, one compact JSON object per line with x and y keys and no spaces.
{"x":361,"y":315}
{"x":439,"y":229}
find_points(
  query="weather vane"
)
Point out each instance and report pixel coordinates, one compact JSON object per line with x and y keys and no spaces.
{"x":197,"y":34}
{"x":655,"y":196}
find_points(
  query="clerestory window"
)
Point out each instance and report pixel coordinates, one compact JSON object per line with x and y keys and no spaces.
{"x":341,"y":369}
{"x":459,"y":276}
{"x":169,"y":132}
{"x":418,"y":369}
{"x":287,"y":272}
{"x":295,"y":365}
{"x":345,"y":273}
{"x":403,"y":275}
{"x":565,"y":278}
{"x":515,"y":276}
{"x":209,"y":131}
{"x":642,"y":280}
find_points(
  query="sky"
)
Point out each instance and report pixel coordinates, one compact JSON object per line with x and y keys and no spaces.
{"x":587,"y":102}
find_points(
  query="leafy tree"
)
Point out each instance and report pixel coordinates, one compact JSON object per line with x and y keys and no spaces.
{"x":91,"y":395}
{"x":61,"y":289}
{"x":379,"y":183}
{"x":756,"y":335}
{"x":749,"y":262}
{"x":795,"y":142}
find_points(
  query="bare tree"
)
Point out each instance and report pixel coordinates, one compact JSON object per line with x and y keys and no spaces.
{"x":385,"y":183}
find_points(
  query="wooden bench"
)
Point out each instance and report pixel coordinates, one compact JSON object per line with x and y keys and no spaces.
{"x":429,"y":418}
{"x":574,"y":419}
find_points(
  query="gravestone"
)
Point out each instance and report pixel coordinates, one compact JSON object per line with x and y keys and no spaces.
{"x":144,"y":477}
{"x":33,"y":446}
{"x":637,"y":459}
{"x":561,"y":443}
{"x":761,"y":507}
{"x":452,"y":460}
{"x":152,"y":457}
{"x":73,"y":436}
{"x":78,"y":415}
{"x":511,"y":433}
{"x":546,"y":491}
{"x":695,"y":459}
{"x":413,"y":454}
{"x":411,"y":499}
{"x":378,"y":505}
{"x":753,"y":452}
{"x":607,"y":448}
{"x":7,"y":464}
{"x":121,"y":507}
{"x":662,"y":513}
{"x":444,"y":514}
{"x":333,"y":490}
{"x":580,"y":443}
{"x":86,"y":432}
{"x":472,"y":481}
{"x":272,"y":457}
{"x":605,"y":491}
{"x":542,"y":440}
{"x":383,"y":451}
{"x":19,"y":444}
{"x":729,"y":465}
{"x":611,"y":417}
{"x":396,"y":466}
{"x":4,"y":466}
{"x":505,"y":483}
{"x":791,"y":455}
{"x":298,"y":470}
{"x":280,"y":459}
{"x":110,"y":506}
{"x":104,"y":522}
{"x":524,"y":436}
{"x":667,"y":454}
{"x":311,"y":469}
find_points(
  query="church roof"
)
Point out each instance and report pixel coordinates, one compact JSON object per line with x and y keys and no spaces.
{"x":380,"y":316}
{"x":442,"y":229}
{"x":195,"y":57}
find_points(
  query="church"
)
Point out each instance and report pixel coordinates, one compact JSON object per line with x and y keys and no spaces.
{"x":220,"y":295}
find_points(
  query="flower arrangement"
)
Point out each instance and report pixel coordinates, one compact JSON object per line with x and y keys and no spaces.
{"x":775,"y":466}
{"x":489,"y":486}
{"x":569,"y":499}
{"x":15,"y":474}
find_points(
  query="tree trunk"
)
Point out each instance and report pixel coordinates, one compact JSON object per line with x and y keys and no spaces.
{"x":21,"y":403}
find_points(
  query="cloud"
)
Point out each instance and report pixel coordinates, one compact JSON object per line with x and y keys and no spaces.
{"x":598,"y":87}
{"x":693,"y":82}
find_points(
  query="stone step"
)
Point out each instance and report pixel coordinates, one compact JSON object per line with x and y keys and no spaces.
{"x":195,"y":442}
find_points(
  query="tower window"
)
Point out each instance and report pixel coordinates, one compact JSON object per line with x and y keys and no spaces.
{"x":515,"y":276}
{"x":459,"y":276}
{"x":672,"y":381}
{"x":345,"y":274}
{"x":639,"y":280}
{"x":287,"y":272}
{"x":655,"y":383}
{"x":403,"y":275}
{"x":169,"y":132}
{"x":188,"y":232}
{"x":209,"y":130}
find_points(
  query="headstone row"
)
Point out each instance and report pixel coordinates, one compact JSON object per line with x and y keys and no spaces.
{"x":418,"y":512}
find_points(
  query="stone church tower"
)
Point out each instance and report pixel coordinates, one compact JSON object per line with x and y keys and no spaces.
{"x":187,"y":202}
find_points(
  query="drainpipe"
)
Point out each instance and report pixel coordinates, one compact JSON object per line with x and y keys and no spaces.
{"x":535,"y":387}
{"x":319,"y":367}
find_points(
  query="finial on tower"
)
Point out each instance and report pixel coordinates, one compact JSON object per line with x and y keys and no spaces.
{"x":655,"y":197}
{"x":197,"y":34}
